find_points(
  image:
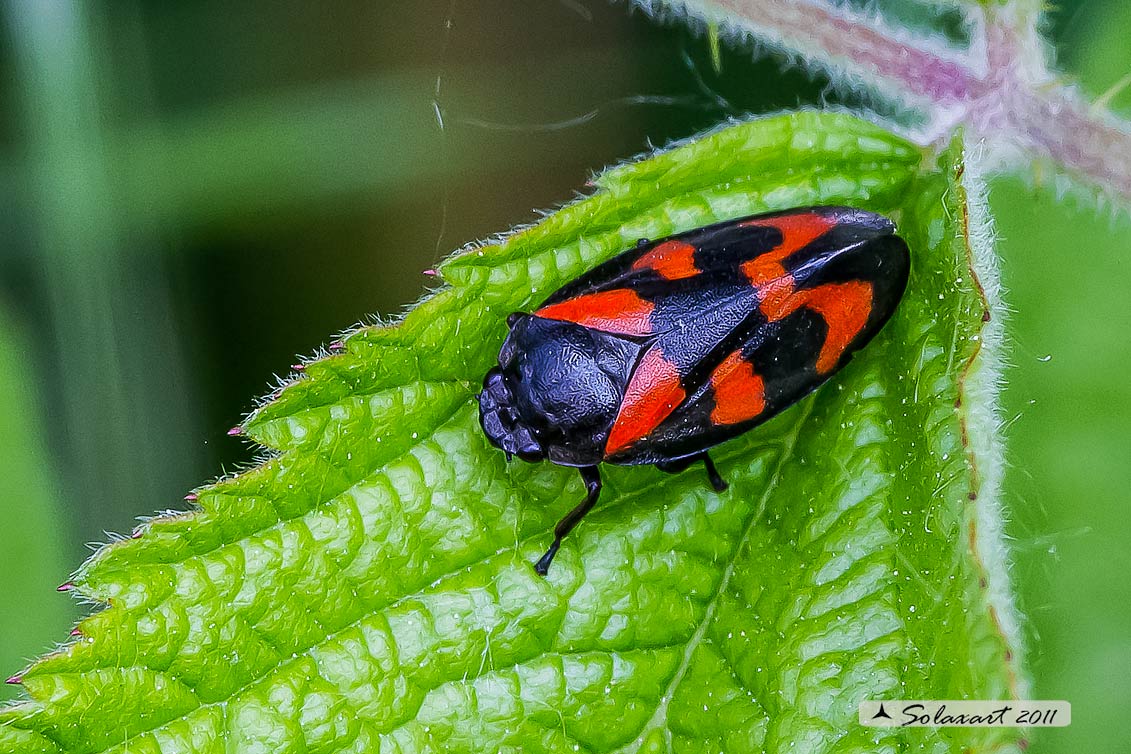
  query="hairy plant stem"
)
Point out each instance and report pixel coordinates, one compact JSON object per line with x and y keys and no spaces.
{"x":1000,"y":88}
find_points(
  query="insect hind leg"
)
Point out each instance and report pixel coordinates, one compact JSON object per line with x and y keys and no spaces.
{"x":591,"y":475}
{"x":713,"y":474}
{"x":674,"y":467}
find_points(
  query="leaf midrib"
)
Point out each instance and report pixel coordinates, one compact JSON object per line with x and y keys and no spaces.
{"x":659,"y":717}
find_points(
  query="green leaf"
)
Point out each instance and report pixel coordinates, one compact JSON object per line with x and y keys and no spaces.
{"x":369,"y":587}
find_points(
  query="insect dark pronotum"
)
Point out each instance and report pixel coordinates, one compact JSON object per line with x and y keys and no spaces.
{"x":679,"y":344}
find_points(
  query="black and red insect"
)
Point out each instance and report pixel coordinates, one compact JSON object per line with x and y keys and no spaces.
{"x":676,"y":345}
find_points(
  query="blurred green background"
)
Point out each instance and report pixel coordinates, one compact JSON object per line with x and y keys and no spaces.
{"x":193,"y":193}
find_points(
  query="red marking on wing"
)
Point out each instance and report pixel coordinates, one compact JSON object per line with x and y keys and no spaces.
{"x":619,"y":311}
{"x":671,"y":260}
{"x":740,"y":392}
{"x":845,"y":307}
{"x":652,"y":395}
{"x":766,"y":272}
{"x":798,"y":230}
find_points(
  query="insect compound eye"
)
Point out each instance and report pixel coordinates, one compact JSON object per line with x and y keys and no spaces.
{"x":513,"y":318}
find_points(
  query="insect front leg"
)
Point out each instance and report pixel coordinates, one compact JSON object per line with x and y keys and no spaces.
{"x":592,"y":478}
{"x":713,"y":475}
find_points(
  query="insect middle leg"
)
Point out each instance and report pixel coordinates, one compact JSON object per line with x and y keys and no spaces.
{"x":592,"y":478}
{"x":674,"y":467}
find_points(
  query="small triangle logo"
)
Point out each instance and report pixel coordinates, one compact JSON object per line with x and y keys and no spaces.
{"x":882,"y":713}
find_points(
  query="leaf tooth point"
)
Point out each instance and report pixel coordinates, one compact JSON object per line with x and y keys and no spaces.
{"x":298,"y":367}
{"x":76,"y":632}
{"x":65,"y":587}
{"x":336,"y":345}
{"x":234,"y":431}
{"x":14,"y":680}
{"x":136,"y":533}
{"x":431,"y":272}
{"x":192,"y":497}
